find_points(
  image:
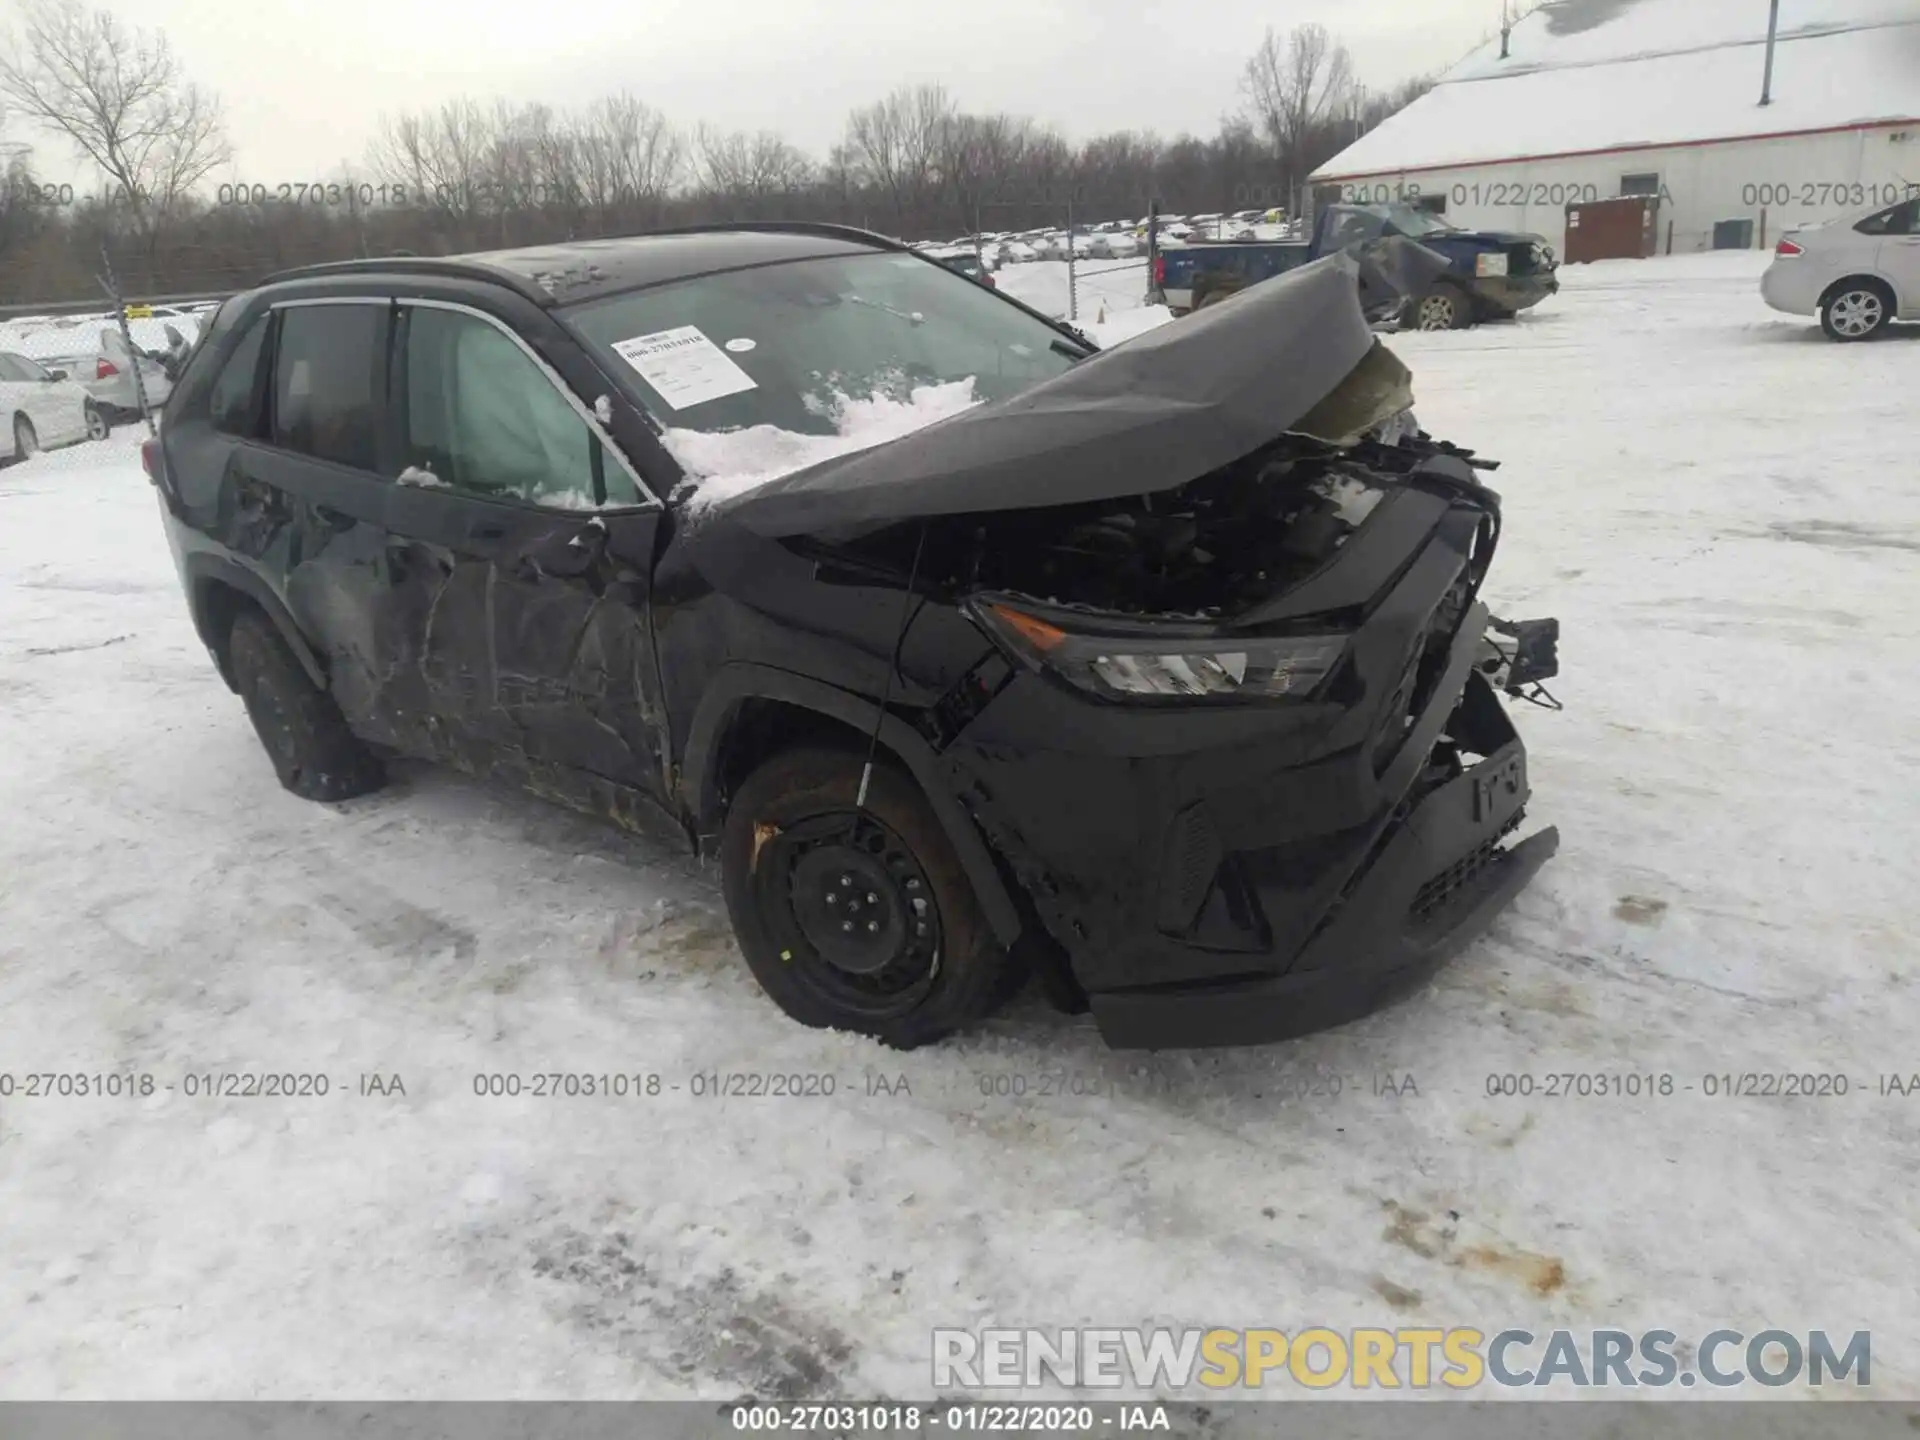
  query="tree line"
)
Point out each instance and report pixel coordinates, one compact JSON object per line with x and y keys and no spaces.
{"x":472,"y":174}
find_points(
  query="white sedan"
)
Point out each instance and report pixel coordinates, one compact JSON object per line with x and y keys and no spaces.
{"x":41,"y":408}
{"x":1857,"y":273}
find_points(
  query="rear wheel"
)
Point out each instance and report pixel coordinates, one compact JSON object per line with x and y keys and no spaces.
{"x":857,"y":918}
{"x":98,"y":426}
{"x":1856,"y":310}
{"x":26,"y":440}
{"x":313,"y":752}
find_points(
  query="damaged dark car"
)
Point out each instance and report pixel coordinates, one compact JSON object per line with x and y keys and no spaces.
{"x":1159,"y":675}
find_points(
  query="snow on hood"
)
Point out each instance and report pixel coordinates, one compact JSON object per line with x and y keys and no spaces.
{"x":726,"y":463}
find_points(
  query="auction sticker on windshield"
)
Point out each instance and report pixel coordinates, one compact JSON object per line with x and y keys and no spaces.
{"x":684,"y":366}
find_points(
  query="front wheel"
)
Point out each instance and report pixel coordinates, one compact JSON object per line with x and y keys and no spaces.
{"x":1442,"y":308}
{"x":853,"y":918}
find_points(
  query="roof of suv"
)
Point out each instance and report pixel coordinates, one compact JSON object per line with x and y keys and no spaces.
{"x":576,"y":270}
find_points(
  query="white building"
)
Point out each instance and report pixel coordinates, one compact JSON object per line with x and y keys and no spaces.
{"x":1598,"y":98}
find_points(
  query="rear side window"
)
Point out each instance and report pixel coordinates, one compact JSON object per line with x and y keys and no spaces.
{"x":484,"y":418}
{"x":325,"y":400}
{"x":234,"y":403}
{"x":1902,"y":219}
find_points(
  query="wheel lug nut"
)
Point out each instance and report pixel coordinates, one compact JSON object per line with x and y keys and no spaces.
{"x":913,"y":884}
{"x":833,"y":897}
{"x":873,"y":927}
{"x":872,"y":899}
{"x":846,"y":879}
{"x":847,"y":925}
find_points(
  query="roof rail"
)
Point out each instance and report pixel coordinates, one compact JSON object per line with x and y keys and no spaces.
{"x":454,"y":266}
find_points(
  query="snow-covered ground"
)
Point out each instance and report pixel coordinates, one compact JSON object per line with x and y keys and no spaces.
{"x":1723,"y":509}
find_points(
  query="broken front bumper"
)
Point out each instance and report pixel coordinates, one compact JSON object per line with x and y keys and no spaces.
{"x":1436,"y":881}
{"x":1226,"y":879}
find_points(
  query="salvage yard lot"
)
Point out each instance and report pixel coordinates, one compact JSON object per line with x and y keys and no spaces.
{"x":1722,"y":508}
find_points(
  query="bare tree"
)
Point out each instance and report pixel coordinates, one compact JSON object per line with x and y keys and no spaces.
{"x":629,"y":153}
{"x":745,"y":170}
{"x":899,"y":141}
{"x":1292,"y":87}
{"x":120,"y":98}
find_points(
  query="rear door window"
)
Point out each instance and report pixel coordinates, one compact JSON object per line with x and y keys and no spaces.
{"x":234,"y":404}
{"x":326,"y":401}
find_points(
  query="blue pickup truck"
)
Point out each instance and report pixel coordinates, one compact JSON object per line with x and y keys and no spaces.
{"x":1489,"y":274}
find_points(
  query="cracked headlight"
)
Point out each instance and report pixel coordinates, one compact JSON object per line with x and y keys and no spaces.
{"x":1139,"y":667}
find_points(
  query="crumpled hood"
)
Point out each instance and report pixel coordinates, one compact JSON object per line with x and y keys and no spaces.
{"x":1166,"y":407}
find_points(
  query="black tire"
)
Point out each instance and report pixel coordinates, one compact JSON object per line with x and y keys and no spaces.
{"x":1444,"y":307}
{"x":98,"y":425}
{"x":792,"y":831}
{"x":303,"y":732}
{"x":1856,"y":309}
{"x":26,"y":440}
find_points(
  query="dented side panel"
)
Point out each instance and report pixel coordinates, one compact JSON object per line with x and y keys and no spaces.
{"x":511,"y":638}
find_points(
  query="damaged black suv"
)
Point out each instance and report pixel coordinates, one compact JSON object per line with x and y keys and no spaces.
{"x":1157,"y":673}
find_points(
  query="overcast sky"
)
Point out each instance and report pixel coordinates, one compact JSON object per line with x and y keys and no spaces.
{"x":304,"y":81}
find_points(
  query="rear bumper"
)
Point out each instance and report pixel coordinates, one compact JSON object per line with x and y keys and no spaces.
{"x":1789,"y":287}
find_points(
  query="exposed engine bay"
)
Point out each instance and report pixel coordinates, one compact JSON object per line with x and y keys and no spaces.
{"x":1205,"y":551}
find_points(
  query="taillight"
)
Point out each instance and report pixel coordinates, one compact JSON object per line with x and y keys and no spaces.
{"x":1786,"y":249}
{"x":992,"y":284}
{"x":151,"y":460}
{"x":103,"y":369}
{"x":1159,"y":269}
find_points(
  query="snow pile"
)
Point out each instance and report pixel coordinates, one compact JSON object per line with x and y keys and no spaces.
{"x":727,"y":462}
{"x":1125,"y":324}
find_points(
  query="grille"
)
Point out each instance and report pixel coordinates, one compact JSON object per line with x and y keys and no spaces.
{"x":1439,"y":892}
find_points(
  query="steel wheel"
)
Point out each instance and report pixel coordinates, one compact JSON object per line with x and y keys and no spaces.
{"x":1855,"y":314}
{"x":26,"y":440}
{"x":852,"y":911}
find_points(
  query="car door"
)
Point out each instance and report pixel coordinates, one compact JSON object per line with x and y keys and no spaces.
{"x":524,"y":599}
{"x":301,"y":497}
{"x":1899,"y":258}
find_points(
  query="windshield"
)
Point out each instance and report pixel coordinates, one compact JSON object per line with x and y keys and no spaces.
{"x":1411,"y":221}
{"x":793,"y":345}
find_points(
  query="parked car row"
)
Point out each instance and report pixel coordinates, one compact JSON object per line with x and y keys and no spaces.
{"x":1111,"y":239}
